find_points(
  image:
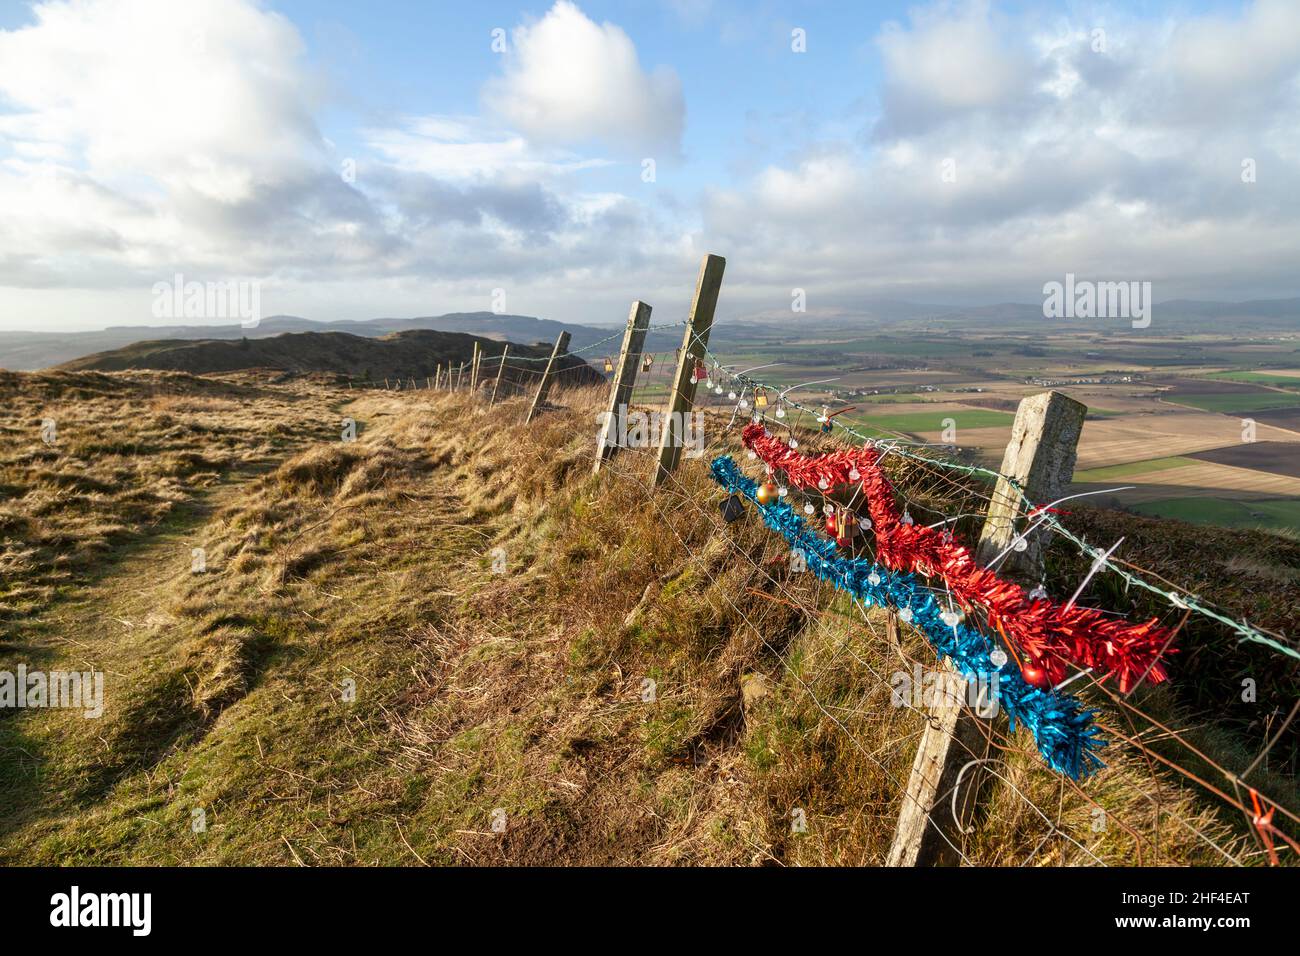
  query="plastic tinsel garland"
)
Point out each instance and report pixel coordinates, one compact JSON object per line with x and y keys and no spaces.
{"x":1050,"y":634}
{"x":1062,"y":728}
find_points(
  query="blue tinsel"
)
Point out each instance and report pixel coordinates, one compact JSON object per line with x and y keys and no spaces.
{"x":1062,"y":727}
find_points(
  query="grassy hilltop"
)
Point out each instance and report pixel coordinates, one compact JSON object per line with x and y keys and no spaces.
{"x":450,"y":622}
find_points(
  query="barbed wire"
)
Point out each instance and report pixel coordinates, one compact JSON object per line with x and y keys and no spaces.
{"x":1045,"y":519}
{"x":996,"y":737}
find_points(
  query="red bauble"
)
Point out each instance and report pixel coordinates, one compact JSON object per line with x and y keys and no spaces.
{"x":830,"y":523}
{"x":1034,"y":676}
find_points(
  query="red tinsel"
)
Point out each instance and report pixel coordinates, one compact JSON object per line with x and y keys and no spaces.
{"x":1047,"y":633}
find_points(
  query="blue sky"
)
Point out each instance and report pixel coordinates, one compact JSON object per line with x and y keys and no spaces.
{"x":381,"y":159}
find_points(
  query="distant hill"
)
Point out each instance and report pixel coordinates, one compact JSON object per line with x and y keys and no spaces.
{"x":34,"y":350}
{"x":412,"y":354}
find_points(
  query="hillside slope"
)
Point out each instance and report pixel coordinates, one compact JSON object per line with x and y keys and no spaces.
{"x":447,"y":642}
{"x":34,"y":350}
{"x":399,"y":355}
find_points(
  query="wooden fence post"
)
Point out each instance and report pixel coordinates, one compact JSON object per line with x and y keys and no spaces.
{"x":1040,"y":458}
{"x":544,"y":386}
{"x":612,"y":433}
{"x":682,"y":397}
{"x":501,"y":368}
{"x":473,"y":370}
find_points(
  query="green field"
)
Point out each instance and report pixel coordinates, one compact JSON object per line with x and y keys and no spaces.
{"x":1132,"y":469}
{"x":1274,"y":515}
{"x":894,"y":399}
{"x":1247,"y":402}
{"x":1259,"y":378}
{"x":915,"y":422}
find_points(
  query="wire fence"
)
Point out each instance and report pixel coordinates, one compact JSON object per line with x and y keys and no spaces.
{"x":1167,"y":745}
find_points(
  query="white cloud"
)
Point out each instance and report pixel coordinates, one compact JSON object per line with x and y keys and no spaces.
{"x":464,"y":148}
{"x":139,"y":138}
{"x":1124,"y":162}
{"x":947,"y":64}
{"x":570,"y":80}
{"x":167,"y":134}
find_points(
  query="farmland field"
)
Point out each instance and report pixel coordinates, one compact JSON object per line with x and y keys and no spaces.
{"x":1274,"y":515}
{"x":1280,"y":379}
{"x":1132,"y":469}
{"x":1274,"y":457}
{"x":932,"y":421}
{"x":1165,"y":412}
{"x":1234,"y":403}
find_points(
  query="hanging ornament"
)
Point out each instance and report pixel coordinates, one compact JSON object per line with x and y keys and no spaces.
{"x":752,"y":455}
{"x":782,"y":491}
{"x":700,"y":373}
{"x":1034,"y":676}
{"x":905,"y":615}
{"x":998,"y":656}
{"x":647,"y":362}
{"x":794,"y":443}
{"x":732,"y":508}
{"x":744,"y":405}
{"x":1020,"y":544}
{"x":808,"y":508}
{"x":873,"y":579}
{"x":845,"y":529}
{"x":780,"y":411}
{"x":1039,"y":593}
{"x":717,"y":390}
{"x":952,"y":617}
{"x":731,"y":396}
{"x":760,"y":398}
{"x":854,"y":474}
{"x":823,"y":485}
{"x":609,"y":364}
{"x":766,"y":493}
{"x":906,"y":519}
{"x":864,"y":524}
{"x":830,"y":524}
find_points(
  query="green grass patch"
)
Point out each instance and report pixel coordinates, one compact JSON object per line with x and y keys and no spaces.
{"x":1259,"y":378}
{"x":1271,"y":515}
{"x":1235,"y":403}
{"x":1132,"y":469}
{"x":912,"y":422}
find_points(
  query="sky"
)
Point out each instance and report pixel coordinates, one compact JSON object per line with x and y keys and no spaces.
{"x":355,"y":160}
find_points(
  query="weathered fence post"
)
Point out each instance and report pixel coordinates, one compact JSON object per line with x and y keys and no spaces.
{"x":544,"y":386}
{"x":1040,"y":458}
{"x":612,"y":434}
{"x":473,"y":370}
{"x":682,"y":397}
{"x":501,"y":368}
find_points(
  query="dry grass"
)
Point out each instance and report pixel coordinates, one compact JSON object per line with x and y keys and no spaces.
{"x":498,"y":613}
{"x":127,"y":452}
